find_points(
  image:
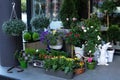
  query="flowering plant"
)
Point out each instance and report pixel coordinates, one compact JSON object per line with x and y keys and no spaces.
{"x":76,"y":36}
{"x":51,"y":37}
{"x":60,"y":63}
{"x":90,"y":59}
{"x":79,"y":63}
{"x":93,"y":34}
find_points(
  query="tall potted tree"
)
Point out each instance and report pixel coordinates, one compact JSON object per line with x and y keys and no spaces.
{"x":68,"y":13}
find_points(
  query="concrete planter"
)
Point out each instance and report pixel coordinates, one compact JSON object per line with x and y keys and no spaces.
{"x":60,"y":74}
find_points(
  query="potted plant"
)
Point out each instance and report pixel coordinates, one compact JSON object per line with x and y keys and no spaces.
{"x":108,"y":5}
{"x":79,"y":66}
{"x":92,"y":34}
{"x":42,"y":53}
{"x":14,"y":27}
{"x":77,"y":38}
{"x":91,"y":64}
{"x":53,"y":39}
{"x":113,"y":32}
{"x":39,"y":22}
{"x":27,"y":36}
{"x":55,"y":53}
{"x":68,"y":14}
{"x":22,"y":58}
{"x":30,"y":36}
{"x":60,"y":66}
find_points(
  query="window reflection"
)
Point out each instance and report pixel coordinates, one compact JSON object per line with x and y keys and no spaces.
{"x":48,"y":8}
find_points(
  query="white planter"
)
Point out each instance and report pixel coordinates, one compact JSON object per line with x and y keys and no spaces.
{"x":57,"y":46}
{"x":110,"y":55}
{"x":79,"y":52}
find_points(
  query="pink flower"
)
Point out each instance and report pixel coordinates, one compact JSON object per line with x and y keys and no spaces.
{"x":74,"y":19}
{"x":83,"y":27}
{"x":90,"y":59}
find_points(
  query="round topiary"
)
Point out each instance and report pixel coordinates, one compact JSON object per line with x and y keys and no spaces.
{"x":14,"y":27}
{"x":39,"y":22}
{"x":35,"y":36}
{"x":27,"y":36}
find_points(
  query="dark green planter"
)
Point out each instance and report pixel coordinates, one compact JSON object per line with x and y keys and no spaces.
{"x":23,"y":64}
{"x":91,"y":65}
{"x":60,"y":74}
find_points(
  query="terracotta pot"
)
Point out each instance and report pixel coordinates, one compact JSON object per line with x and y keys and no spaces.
{"x":79,"y":70}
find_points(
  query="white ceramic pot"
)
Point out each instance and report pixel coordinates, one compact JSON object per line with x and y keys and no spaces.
{"x":58,"y":46}
{"x":110,"y":55}
{"x":79,"y":52}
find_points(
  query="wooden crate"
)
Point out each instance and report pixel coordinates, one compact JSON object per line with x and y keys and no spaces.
{"x":35,"y":45}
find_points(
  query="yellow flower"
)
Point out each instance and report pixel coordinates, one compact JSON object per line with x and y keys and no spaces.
{"x":53,"y":32}
{"x":76,"y":59}
{"x":62,"y":57}
{"x":69,"y":59}
{"x":81,"y":63}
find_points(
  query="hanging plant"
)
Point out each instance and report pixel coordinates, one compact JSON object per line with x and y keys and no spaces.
{"x":39,"y":22}
{"x":13,"y":27}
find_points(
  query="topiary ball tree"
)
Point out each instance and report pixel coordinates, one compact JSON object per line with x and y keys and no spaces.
{"x":27,"y":36}
{"x":35,"y":36}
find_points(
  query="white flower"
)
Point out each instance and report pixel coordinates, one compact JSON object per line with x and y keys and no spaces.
{"x":98,"y":37}
{"x":67,"y":19}
{"x":24,"y":54}
{"x":74,"y":19}
{"x":96,"y":30}
{"x":26,"y":58}
{"x":36,"y":50}
{"x":90,"y":51}
{"x":91,"y":26}
{"x":85,"y":30}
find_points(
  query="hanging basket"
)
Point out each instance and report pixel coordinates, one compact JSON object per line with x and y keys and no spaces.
{"x":13,"y":27}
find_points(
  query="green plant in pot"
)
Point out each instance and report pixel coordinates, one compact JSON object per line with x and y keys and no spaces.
{"x":35,"y":36}
{"x":93,"y":36}
{"x":42,"y":54}
{"x":14,"y":27}
{"x":22,"y":58}
{"x":91,"y":64}
{"x":30,"y":36}
{"x":60,"y":63}
{"x":108,"y":5}
{"x":52,"y":38}
{"x":113,"y":32}
{"x":27,"y":36}
{"x":39,"y":22}
{"x":79,"y":66}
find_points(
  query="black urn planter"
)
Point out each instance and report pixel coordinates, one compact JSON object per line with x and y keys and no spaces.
{"x":59,"y":73}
